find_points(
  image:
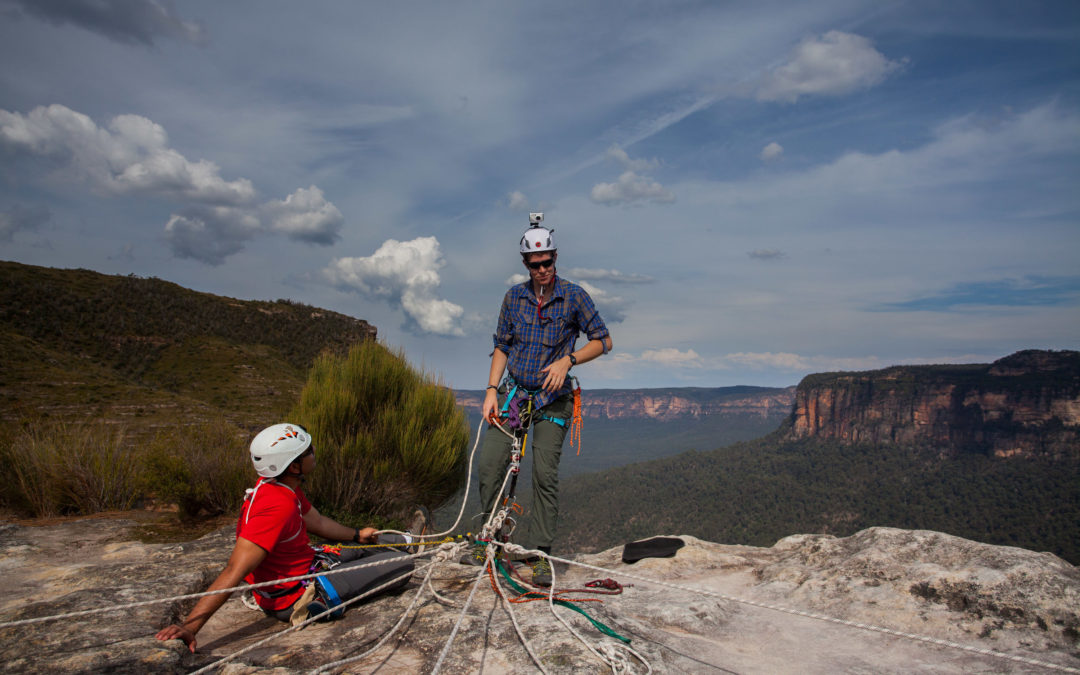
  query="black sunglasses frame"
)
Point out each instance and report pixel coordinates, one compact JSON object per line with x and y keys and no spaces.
{"x":537,"y":264}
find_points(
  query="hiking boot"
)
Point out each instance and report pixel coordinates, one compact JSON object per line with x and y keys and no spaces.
{"x":420,"y":524}
{"x":321,"y":603}
{"x":541,"y":572}
{"x":316,"y":607}
{"x":476,"y":555}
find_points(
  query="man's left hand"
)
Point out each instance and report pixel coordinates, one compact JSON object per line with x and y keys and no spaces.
{"x":367,"y":535}
{"x":556,"y":374}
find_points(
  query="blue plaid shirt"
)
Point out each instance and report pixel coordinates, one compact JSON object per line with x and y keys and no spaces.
{"x":532,"y":338}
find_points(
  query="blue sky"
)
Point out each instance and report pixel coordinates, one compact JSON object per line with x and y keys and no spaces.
{"x":751,"y":193}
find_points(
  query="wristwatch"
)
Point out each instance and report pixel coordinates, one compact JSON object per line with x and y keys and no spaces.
{"x":573,"y":360}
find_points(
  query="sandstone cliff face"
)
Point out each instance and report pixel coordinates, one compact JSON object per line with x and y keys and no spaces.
{"x":1025,"y":404}
{"x":1000,"y":598}
{"x":673,"y":403}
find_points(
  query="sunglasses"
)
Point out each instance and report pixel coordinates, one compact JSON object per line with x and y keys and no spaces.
{"x":537,"y":264}
{"x":309,"y":451}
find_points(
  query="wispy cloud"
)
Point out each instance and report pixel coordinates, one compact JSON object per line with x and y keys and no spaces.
{"x":124,"y":21}
{"x":1029,"y":291}
{"x":22,"y":218}
{"x":614,"y":276}
{"x":767,"y":254}
{"x":612,"y":307}
{"x":517,"y":201}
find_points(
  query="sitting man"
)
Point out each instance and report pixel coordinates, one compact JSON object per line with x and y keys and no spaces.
{"x":272,"y":542}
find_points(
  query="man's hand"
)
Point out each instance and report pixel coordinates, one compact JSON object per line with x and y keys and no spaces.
{"x":367,"y":535}
{"x":490,"y":405}
{"x":178,"y":632}
{"x":556,"y":374}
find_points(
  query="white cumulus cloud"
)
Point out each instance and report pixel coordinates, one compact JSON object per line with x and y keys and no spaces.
{"x":404,"y":274}
{"x":131,"y":156}
{"x":305,"y":215}
{"x":771,"y":151}
{"x":832,"y":64}
{"x":631,"y":188}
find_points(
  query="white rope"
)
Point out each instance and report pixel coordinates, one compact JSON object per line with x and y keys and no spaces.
{"x":194,"y":596}
{"x":310,"y":619}
{"x":982,"y":651}
{"x":617,"y":662}
{"x":508,"y":606}
{"x":461,"y":617}
{"x":464,"y":498}
{"x":419,"y":592}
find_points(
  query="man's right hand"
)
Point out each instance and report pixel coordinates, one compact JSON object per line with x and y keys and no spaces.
{"x":491,"y":404}
{"x":178,"y":632}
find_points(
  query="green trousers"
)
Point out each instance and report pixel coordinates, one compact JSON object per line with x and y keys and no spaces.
{"x":545,"y":439}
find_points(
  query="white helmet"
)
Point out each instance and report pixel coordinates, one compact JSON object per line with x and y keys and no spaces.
{"x":275,"y":447}
{"x":537,"y":239}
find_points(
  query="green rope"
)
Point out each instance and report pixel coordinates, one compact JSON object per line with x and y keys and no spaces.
{"x":536,"y":594}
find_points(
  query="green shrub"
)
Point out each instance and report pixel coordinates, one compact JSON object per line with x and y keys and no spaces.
{"x":59,"y":467}
{"x":386,"y":436}
{"x":203,"y":468}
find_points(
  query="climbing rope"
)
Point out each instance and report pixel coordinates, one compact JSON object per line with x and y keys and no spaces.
{"x":982,"y":651}
{"x":195,"y":596}
{"x":461,"y":617}
{"x":617,"y":665}
{"x":310,"y":620}
{"x":464,"y":498}
{"x":441,"y":557}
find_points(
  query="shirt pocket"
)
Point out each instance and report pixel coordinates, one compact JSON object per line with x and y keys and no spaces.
{"x":553,"y":331}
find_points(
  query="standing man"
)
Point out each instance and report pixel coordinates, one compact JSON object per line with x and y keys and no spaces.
{"x":535,"y":342}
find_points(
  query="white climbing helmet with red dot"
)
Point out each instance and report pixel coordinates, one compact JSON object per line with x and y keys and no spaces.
{"x":274,"y":448}
{"x":537,"y":239}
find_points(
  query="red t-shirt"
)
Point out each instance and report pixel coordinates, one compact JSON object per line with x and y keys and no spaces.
{"x":272,"y":518}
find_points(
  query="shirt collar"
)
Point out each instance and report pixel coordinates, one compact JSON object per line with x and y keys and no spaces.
{"x":557,"y":288}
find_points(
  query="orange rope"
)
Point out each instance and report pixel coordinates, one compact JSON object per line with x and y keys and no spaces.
{"x":494,"y":586}
{"x":576,"y":422}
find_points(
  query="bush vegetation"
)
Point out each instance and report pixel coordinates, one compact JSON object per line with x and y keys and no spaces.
{"x":58,"y":468}
{"x":386,"y":435}
{"x":203,"y":469}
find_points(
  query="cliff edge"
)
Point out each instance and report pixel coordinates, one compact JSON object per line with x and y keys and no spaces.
{"x":1009,"y":600}
{"x":1026,"y":404}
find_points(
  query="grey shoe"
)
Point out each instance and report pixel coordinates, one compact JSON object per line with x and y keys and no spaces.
{"x":476,"y":555}
{"x":541,"y":572}
{"x":420,"y":524}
